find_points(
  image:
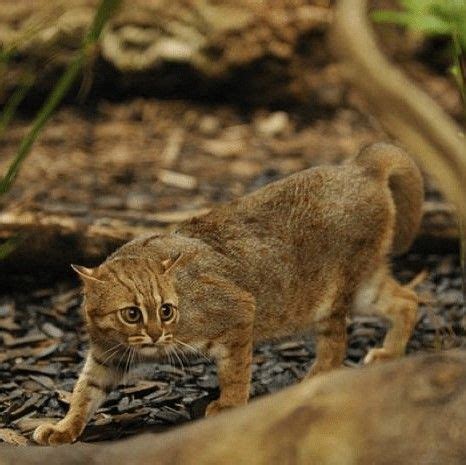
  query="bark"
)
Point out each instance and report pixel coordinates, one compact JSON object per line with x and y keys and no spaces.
{"x":411,"y":411}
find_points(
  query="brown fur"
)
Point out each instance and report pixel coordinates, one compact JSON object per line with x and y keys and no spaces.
{"x":299,"y":254}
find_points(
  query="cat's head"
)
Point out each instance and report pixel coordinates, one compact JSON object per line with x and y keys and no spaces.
{"x":132,"y":302}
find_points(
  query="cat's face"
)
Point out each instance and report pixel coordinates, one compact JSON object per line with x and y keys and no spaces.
{"x":132,"y":302}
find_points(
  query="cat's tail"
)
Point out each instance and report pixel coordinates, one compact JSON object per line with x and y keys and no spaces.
{"x":391,"y":164}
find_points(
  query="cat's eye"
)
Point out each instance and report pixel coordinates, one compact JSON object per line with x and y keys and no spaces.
{"x":166,"y":312}
{"x":131,"y":315}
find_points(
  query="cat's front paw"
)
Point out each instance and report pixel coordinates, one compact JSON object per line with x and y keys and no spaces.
{"x":217,"y":406}
{"x":53,"y":435}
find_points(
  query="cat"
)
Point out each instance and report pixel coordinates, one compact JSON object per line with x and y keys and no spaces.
{"x":302,"y":253}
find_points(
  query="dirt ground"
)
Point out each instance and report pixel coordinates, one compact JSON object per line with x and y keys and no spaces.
{"x":137,"y":157}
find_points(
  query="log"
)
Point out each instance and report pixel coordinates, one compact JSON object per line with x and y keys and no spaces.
{"x":89,"y":237}
{"x":411,"y":411}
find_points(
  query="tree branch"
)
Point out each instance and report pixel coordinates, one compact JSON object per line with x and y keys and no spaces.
{"x":406,"y":112}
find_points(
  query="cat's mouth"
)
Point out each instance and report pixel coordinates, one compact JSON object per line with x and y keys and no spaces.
{"x":153,"y":350}
{"x":150,"y":350}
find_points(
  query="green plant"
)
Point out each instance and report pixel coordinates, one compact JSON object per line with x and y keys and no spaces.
{"x":436,"y":18}
{"x":69,"y":76}
{"x":439,"y":18}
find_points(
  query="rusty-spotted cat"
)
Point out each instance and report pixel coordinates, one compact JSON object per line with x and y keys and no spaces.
{"x":299,"y":254}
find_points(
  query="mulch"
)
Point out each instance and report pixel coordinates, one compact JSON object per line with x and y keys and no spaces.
{"x":45,"y":344}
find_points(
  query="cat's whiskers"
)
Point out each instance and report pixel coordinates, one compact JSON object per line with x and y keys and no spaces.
{"x":110,"y":348}
{"x":113,"y":351}
{"x":183,"y":355}
{"x":173,"y":347}
{"x":123,"y":357}
{"x":192,"y":349}
{"x":129,"y":362}
{"x":128,"y":356}
{"x":168,"y":356}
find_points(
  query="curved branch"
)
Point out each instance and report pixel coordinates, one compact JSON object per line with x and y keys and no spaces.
{"x":406,"y":112}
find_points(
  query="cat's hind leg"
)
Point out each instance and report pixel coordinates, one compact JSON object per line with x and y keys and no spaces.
{"x":385,"y":297}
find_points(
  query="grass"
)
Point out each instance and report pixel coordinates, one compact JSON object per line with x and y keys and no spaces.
{"x":103,"y":13}
{"x":435,"y":18}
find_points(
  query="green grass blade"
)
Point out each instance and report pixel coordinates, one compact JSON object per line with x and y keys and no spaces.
{"x":44,"y":114}
{"x":105,"y":10}
{"x":13,"y":103}
{"x":9,"y":246}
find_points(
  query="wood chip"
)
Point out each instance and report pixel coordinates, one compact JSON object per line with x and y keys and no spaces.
{"x":52,"y":331}
{"x":294,"y":353}
{"x":8,"y":324}
{"x":126,"y":417}
{"x":290,"y":345}
{"x":7,"y":310}
{"x":43,"y":370}
{"x":24,"y":352}
{"x":182,"y":181}
{"x":43,"y":380}
{"x":34,"y":402}
{"x":144,"y":387}
{"x":224,"y":148}
{"x":173,"y":148}
{"x":41,"y":352}
{"x":11,"y":341}
{"x":27,"y":424}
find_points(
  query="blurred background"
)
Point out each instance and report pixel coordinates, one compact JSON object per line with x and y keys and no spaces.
{"x":179,"y":105}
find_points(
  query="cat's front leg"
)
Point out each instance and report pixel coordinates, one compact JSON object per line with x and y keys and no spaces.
{"x":95,"y":381}
{"x":234,"y":372}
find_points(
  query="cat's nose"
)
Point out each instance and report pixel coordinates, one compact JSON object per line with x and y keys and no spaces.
{"x":155,"y":333}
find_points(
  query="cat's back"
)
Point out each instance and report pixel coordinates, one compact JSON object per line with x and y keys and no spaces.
{"x":315,"y":199}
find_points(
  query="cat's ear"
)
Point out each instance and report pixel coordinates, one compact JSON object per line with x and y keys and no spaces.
{"x":170,"y":264}
{"x":87,"y":274}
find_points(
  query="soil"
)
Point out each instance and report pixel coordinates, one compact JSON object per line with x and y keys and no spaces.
{"x":138,"y":156}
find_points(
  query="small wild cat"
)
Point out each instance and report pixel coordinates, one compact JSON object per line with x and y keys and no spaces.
{"x":301,"y":253}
